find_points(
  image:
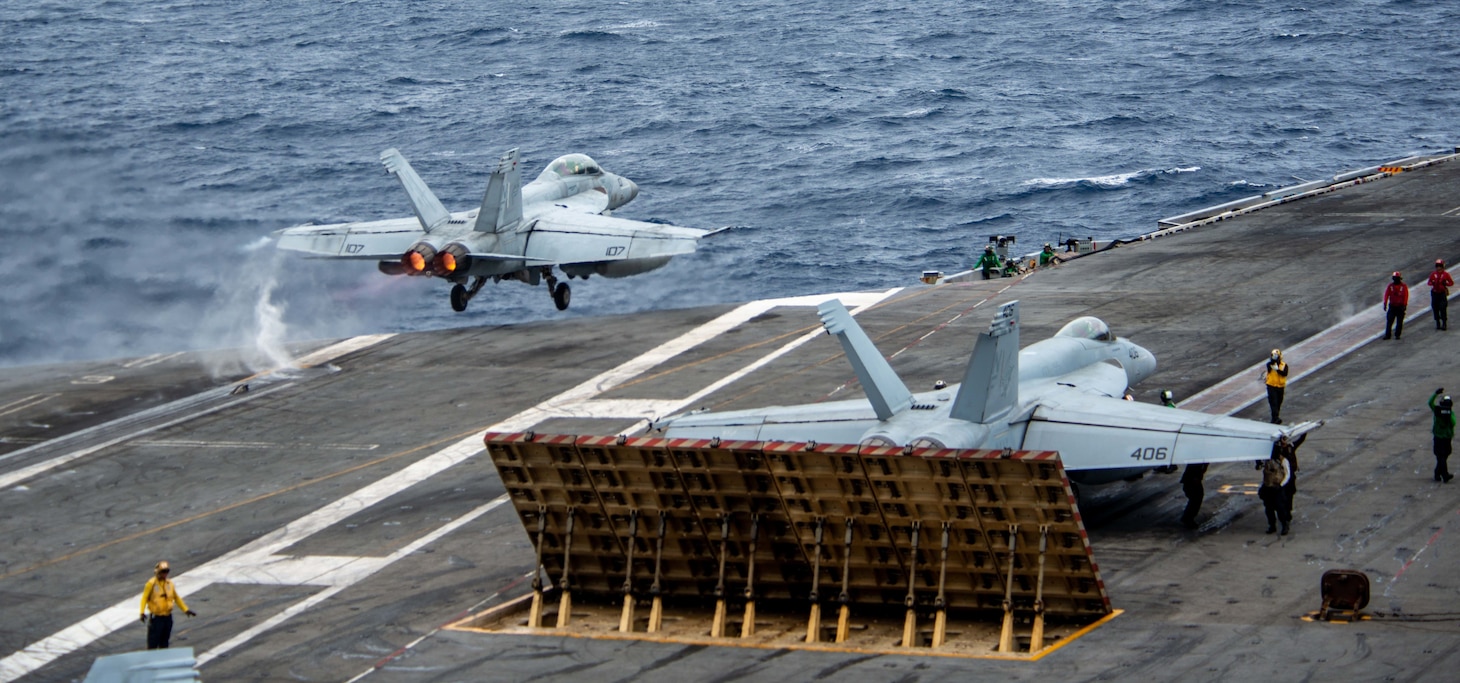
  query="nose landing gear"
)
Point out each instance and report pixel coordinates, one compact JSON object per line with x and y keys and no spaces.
{"x":561,"y":293}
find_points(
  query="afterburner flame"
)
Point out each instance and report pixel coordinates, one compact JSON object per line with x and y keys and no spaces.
{"x":448,"y":262}
{"x":415,"y":261}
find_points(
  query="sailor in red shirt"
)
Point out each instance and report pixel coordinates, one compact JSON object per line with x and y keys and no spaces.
{"x":1396,"y":299}
{"x":1440,"y":284}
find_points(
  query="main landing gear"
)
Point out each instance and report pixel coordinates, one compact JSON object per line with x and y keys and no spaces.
{"x":561,"y":293}
{"x":461,"y":295}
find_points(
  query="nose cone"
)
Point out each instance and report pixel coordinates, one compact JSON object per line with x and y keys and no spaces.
{"x":1140,"y":365}
{"x":624,"y":193}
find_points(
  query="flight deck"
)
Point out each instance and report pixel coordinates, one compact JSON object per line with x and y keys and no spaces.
{"x":331,"y":523}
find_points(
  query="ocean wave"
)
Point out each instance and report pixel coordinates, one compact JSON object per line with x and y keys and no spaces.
{"x":1107,"y":182}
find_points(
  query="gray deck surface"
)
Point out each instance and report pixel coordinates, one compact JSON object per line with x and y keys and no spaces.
{"x":206,"y":473}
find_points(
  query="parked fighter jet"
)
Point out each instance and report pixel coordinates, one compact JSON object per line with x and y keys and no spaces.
{"x":1061,"y":394}
{"x":519,"y":233}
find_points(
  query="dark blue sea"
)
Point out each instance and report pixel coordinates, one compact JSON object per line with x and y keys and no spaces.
{"x":148,"y":148}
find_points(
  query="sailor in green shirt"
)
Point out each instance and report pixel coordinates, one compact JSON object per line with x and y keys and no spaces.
{"x":1047,"y":257}
{"x":989,"y":262}
{"x":1444,"y":430}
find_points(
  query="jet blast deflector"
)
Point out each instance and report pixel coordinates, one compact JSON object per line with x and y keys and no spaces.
{"x":682,"y":523}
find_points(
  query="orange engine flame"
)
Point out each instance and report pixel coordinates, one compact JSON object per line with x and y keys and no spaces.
{"x":415,"y":261}
{"x":448,"y":262}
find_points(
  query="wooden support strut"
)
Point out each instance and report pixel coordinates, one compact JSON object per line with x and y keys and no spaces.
{"x":626,"y":620}
{"x":844,"y":614}
{"x":747,"y":627}
{"x":940,"y":603}
{"x":534,"y":615}
{"x":565,"y":603}
{"x":910,"y":621}
{"x":1006,"y":636}
{"x":813,"y":623}
{"x":717,"y":626}
{"x":656,"y":608}
{"x":1036,"y":639}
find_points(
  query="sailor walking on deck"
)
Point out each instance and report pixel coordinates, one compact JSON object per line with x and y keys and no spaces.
{"x":158,"y":597}
{"x":1276,"y":378}
{"x":1440,"y":284}
{"x":1396,"y":300}
{"x":1444,"y":431}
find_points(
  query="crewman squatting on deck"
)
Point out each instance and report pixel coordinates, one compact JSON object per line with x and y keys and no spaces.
{"x":158,"y":596}
{"x":1276,"y":378}
{"x":1396,"y":300}
{"x":1440,"y":284}
{"x":1444,"y":431}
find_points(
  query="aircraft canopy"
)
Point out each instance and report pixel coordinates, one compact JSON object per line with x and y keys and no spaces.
{"x":571,"y":165}
{"x":1087,"y":328}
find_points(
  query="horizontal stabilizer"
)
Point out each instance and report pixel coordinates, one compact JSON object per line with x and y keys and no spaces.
{"x":427,"y":207}
{"x":884,"y":388}
{"x":990,"y":387}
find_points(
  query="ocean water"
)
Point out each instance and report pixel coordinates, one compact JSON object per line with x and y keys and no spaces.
{"x":148,"y":148}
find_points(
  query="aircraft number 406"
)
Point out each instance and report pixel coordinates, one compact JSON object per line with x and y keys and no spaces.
{"x":1149,"y":453}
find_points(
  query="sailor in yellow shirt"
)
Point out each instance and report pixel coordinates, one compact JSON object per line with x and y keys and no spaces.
{"x":1276,"y":378}
{"x":158,"y":596}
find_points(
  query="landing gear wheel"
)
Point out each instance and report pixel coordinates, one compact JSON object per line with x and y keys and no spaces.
{"x":459,"y":298}
{"x":562,"y":295}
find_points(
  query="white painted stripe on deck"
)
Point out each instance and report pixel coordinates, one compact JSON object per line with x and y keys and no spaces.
{"x":321,"y":356}
{"x":10,"y":479}
{"x":321,"y":596}
{"x":252,"y":562}
{"x":27,"y":402}
{"x":148,"y":361}
{"x":259,"y":445}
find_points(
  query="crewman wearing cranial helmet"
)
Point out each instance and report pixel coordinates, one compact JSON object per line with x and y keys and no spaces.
{"x":1444,"y":431}
{"x":1396,"y":300}
{"x":1276,"y":378}
{"x":1440,"y":284}
{"x":158,"y":597}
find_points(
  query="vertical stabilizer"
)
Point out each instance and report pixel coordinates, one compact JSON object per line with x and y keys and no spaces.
{"x":427,"y":207}
{"x":502,"y":204}
{"x":991,"y":383}
{"x":884,"y":388}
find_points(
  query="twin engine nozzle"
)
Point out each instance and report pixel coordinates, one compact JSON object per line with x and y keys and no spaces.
{"x":424,"y":259}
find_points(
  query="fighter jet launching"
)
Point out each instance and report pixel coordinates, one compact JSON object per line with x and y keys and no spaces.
{"x":519,"y":233}
{"x":1060,"y":394}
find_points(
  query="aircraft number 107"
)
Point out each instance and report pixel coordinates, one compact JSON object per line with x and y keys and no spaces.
{"x":1149,"y":453}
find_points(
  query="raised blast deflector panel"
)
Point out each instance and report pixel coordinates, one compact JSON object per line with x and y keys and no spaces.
{"x":763,"y":502}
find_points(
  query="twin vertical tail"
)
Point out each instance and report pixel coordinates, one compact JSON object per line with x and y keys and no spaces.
{"x":884,"y":388}
{"x":502,"y":204}
{"x":427,"y":207}
{"x":991,"y":383}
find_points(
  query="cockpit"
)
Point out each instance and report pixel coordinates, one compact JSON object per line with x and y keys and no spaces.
{"x":571,"y":165}
{"x":1087,"y":327}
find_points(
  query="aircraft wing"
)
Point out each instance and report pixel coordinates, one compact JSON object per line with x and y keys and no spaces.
{"x":373,"y":240}
{"x":565,"y":236}
{"x":1094,"y":432}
